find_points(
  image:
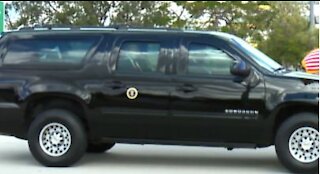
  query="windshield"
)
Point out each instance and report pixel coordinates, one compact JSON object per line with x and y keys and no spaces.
{"x":257,"y":56}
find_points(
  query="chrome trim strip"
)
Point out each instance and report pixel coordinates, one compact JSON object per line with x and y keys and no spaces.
{"x":5,"y":105}
{"x":96,"y":29}
{"x":151,"y":30}
{"x":60,"y":29}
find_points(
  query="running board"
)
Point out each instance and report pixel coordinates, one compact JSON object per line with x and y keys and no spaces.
{"x":180,"y":143}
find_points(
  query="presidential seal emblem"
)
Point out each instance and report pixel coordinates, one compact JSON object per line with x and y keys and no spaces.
{"x":132,"y":93}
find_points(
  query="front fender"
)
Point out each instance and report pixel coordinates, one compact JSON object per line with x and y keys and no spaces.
{"x":291,"y":97}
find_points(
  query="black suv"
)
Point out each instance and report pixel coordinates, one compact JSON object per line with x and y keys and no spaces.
{"x":74,"y":90}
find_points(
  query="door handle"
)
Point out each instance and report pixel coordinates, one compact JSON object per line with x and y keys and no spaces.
{"x":187,"y":88}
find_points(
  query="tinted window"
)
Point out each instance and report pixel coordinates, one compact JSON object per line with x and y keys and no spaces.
{"x":138,"y":57}
{"x":207,"y":60}
{"x":46,"y":51}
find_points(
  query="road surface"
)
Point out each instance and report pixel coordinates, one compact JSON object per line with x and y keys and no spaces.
{"x":15,"y":158}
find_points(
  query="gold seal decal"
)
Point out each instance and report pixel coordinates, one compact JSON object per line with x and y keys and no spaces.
{"x":132,"y":93}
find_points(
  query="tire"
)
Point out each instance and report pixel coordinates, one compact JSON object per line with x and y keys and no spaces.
{"x":99,"y":147}
{"x":70,"y":137}
{"x":296,"y":143}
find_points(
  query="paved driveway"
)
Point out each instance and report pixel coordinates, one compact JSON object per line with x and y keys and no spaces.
{"x":148,"y":159}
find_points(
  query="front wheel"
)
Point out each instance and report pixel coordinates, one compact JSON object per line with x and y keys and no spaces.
{"x":297,"y":143}
{"x":57,"y":138}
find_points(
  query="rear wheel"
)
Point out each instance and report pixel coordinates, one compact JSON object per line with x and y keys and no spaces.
{"x":99,"y":147}
{"x":57,"y":138}
{"x":297,"y":143}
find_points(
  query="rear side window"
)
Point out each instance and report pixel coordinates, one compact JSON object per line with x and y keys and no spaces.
{"x":207,"y":60}
{"x":138,"y":57}
{"x":47,"y":51}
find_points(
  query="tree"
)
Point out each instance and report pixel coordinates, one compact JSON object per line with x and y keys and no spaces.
{"x":243,"y":18}
{"x":60,"y":12}
{"x":141,"y":13}
{"x":289,"y":38}
{"x":100,"y":13}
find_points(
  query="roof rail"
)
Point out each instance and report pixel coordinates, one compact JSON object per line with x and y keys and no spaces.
{"x":132,"y":27}
{"x":61,"y":27}
{"x":37,"y":27}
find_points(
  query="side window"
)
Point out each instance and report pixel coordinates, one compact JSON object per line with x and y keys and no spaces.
{"x":206,"y":60}
{"x":138,"y":57}
{"x":47,"y":51}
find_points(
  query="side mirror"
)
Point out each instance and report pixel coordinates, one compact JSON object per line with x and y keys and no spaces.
{"x":240,"y":68}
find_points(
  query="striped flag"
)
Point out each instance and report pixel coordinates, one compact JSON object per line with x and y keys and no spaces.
{"x":311,"y":62}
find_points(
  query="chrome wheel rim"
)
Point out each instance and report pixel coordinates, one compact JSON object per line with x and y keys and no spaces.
{"x":55,"y":139}
{"x":304,"y":144}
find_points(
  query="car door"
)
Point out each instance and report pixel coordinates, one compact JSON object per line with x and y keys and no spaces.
{"x":135,"y":97}
{"x":208,"y":102}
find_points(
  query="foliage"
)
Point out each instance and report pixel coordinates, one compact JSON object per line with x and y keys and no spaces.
{"x":290,"y":37}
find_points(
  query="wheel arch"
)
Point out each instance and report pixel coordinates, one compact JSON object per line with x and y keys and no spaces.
{"x":38,"y":102}
{"x":287,"y":110}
